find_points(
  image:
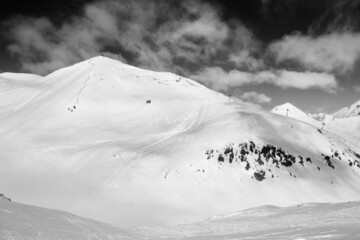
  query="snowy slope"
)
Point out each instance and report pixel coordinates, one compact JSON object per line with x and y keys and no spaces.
{"x":347,"y":118}
{"x":20,"y":221}
{"x":85,"y":140}
{"x":351,"y":111}
{"x":305,"y":221}
{"x":16,"y":89}
{"x":347,"y":123}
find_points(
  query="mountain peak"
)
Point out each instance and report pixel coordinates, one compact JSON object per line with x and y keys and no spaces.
{"x":287,"y":105}
{"x":287,"y":109}
{"x":100,"y":59}
{"x":292,"y":111}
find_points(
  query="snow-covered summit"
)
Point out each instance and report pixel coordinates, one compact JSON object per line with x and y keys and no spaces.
{"x":291,"y":111}
{"x":288,"y":109}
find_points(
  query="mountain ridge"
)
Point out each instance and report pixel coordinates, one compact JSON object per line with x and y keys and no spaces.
{"x":345,"y":118}
{"x":112,"y":142}
{"x":351,"y":111}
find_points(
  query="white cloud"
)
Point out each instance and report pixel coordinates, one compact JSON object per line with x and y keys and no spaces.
{"x":243,"y":59}
{"x":218,"y":79}
{"x":245,"y":45}
{"x":335,"y":52}
{"x":255,"y":97}
{"x":306,"y":80}
{"x":208,"y":25}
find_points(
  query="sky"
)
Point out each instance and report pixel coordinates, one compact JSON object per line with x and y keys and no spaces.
{"x":269,"y":52}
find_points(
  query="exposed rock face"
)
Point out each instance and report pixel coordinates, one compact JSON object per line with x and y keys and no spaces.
{"x":263,"y":161}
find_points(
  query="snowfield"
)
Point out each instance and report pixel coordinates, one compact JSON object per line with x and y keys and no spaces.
{"x":305,"y":221}
{"x":119,"y":144}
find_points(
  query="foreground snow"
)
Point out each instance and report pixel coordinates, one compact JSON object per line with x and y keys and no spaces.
{"x":85,"y":139}
{"x":305,"y":221}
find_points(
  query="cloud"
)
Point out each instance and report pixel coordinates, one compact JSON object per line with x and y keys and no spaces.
{"x":184,"y":37}
{"x":335,"y":52}
{"x":338,"y":16}
{"x":306,"y":80}
{"x":176,"y":36}
{"x":41,"y":47}
{"x":221,"y":80}
{"x":243,"y":59}
{"x":243,"y":48}
{"x":255,"y":97}
{"x":357,"y":88}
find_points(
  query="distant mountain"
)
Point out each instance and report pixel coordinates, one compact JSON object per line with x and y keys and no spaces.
{"x":291,"y":111}
{"x":351,"y":111}
{"x":347,"y":119}
{"x":125,"y":145}
{"x":320,"y":117}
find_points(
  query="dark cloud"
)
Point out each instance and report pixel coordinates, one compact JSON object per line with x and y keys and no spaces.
{"x":150,"y":34}
{"x":337,"y":16}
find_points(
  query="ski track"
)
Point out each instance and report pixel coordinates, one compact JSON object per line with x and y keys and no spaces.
{"x":164,"y":142}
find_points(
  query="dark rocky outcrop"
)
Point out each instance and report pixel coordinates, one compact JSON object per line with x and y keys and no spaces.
{"x":259,"y":175}
{"x":3,"y":197}
{"x":266,"y":157}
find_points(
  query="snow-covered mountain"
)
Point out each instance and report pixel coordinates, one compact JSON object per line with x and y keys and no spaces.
{"x":120,"y":144}
{"x":346,"y":119}
{"x":321,"y":117}
{"x":291,"y":111}
{"x":351,"y":111}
